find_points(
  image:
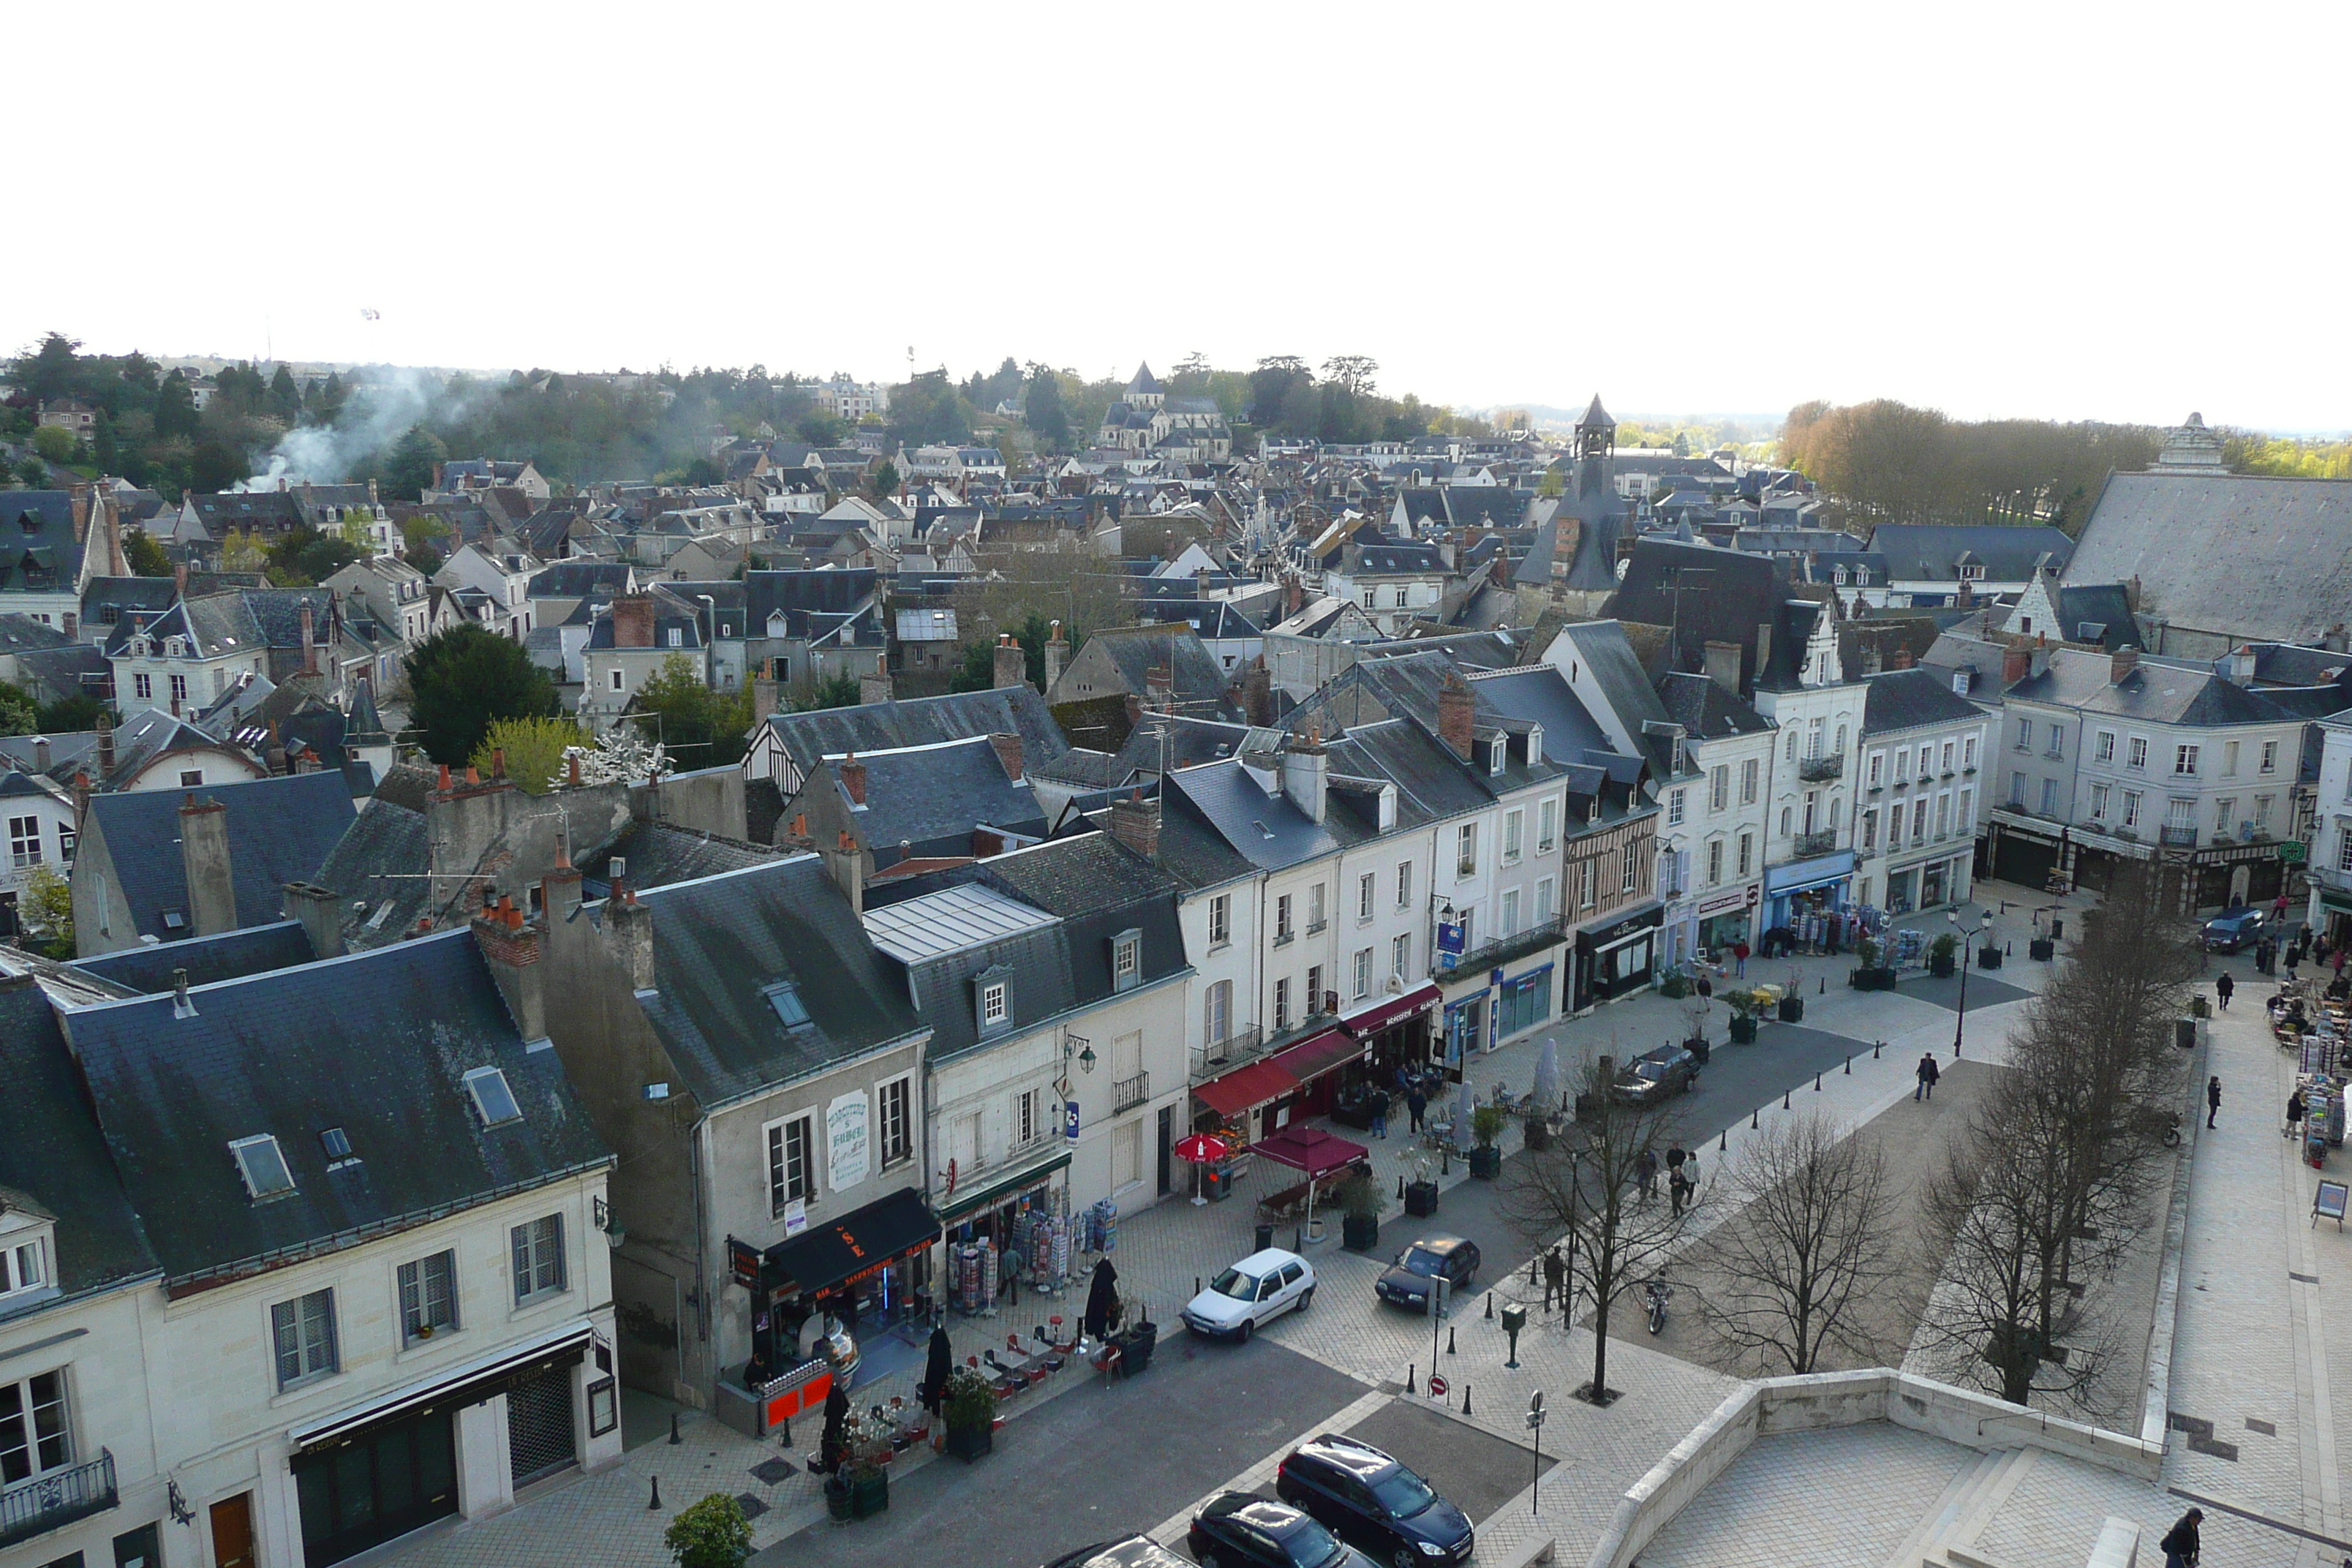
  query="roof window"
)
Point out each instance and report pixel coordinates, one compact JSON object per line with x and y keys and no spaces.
{"x":336,"y":1145}
{"x":492,"y":1097}
{"x":784,"y":996}
{"x":263,"y":1165}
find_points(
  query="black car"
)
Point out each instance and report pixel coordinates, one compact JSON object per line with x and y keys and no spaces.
{"x":1135,"y":1552}
{"x":1241,"y":1530}
{"x":1657,"y":1076}
{"x":1372,"y":1500}
{"x":1408,"y":1280}
{"x":2234,"y":929}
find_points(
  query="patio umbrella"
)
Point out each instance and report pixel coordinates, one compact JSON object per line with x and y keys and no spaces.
{"x":1102,"y":1300}
{"x":1462,"y":1105}
{"x":1312,"y":1151}
{"x":1546,"y":1084}
{"x":936,"y":1368}
{"x":1200,"y":1149}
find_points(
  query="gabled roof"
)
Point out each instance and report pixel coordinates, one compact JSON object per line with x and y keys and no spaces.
{"x":927,"y":800}
{"x":809,"y":738}
{"x":2235,"y":554}
{"x":1910,"y":699}
{"x":55,"y":1154}
{"x":1706,"y":710}
{"x":230,"y":955}
{"x":280,"y":830}
{"x":1934,"y":553}
{"x":2160,"y":694}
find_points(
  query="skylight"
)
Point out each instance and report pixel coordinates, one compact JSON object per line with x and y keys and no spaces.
{"x":335,"y":1142}
{"x":784,"y":996}
{"x":263,"y":1165}
{"x":492,"y":1097}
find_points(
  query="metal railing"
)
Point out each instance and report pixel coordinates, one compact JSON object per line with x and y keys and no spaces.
{"x":57,"y":1500}
{"x":2177,"y":837}
{"x":1129,"y":1092}
{"x":1811,"y":844}
{"x":1238,"y":1046}
{"x":1813,"y":770}
{"x":1502,"y":949}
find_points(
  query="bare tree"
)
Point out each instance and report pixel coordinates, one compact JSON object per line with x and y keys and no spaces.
{"x":1809,"y":1246}
{"x":1582,"y":1192}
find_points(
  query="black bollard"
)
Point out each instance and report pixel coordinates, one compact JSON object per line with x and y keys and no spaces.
{"x":1816,"y":1083}
{"x":1299,"y":1238}
{"x":1849,"y":1067}
{"x":1490,"y":1298}
{"x":1446,"y":1162}
{"x":1400,"y":1198}
{"x":655,"y":1504}
{"x":1465,"y":1399}
{"x":1449,"y":1340}
{"x":1826,"y":986}
{"x":1721,"y":1148}
{"x":1751,"y":1120}
{"x":1196,"y":1284}
{"x":1874,"y":1049}
{"x":1411,"y":1387}
{"x":673,"y":1419}
{"x":786,"y":1425}
{"x":1784,"y":1099}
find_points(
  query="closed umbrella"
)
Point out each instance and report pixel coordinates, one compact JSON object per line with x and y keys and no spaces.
{"x":1462,"y":1105}
{"x":830,"y":1448}
{"x":940,"y":1361}
{"x":1102,"y":1300}
{"x":1546,"y":1084}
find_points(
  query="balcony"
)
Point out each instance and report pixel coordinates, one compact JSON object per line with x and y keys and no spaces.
{"x":1815,"y":770}
{"x":2329,"y":877}
{"x":1811,"y":844}
{"x":1129,"y":1092}
{"x":1502,"y":949}
{"x":58,"y":1499}
{"x":2177,"y":837}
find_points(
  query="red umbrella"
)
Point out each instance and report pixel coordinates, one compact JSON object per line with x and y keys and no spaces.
{"x":1202,"y":1149}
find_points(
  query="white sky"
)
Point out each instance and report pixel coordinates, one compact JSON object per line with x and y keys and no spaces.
{"x":2058,"y":209}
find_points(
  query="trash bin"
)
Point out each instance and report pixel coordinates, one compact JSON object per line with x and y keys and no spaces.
{"x":1264,"y":1236}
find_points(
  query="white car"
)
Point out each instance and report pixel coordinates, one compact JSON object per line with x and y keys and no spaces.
{"x":1258,"y":1289}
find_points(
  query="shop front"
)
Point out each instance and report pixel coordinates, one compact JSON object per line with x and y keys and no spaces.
{"x":1395,"y":1031}
{"x":1927,"y":884}
{"x":1726,"y":919}
{"x":1803,"y":901}
{"x":1256,"y":1097}
{"x":1615,"y":959}
{"x":1006,"y":1225}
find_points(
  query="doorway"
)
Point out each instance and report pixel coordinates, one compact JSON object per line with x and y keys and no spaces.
{"x":1167,"y":1138}
{"x":380,"y":1483}
{"x":539,"y":1437}
{"x":233,"y":1531}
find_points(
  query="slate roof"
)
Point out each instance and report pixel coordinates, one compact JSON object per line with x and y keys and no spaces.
{"x":580,"y":579}
{"x":250,"y":950}
{"x":1138,"y":651}
{"x":1736,"y":593}
{"x":1395,"y":560}
{"x":1912,"y":700}
{"x":2157,"y":693}
{"x":2237,"y":555}
{"x":376,"y":1043}
{"x":214,"y":626}
{"x":809,"y":738}
{"x":123,"y":595}
{"x":931,"y":798}
{"x":1706,"y":710}
{"x":721,"y":942}
{"x":1933,"y":551}
{"x":659,"y":854}
{"x":280,"y":830}
{"x":379,"y":862}
{"x":38,"y":552}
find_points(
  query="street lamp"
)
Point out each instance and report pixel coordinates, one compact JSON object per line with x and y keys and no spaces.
{"x":1967,"y":957}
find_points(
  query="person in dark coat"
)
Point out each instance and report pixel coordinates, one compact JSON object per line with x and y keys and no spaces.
{"x":1415,"y":1104}
{"x":1555,"y":1277}
{"x":1926,"y":1074}
{"x":2179,"y":1544}
{"x":1102,"y":1302}
{"x":1646,"y":1172}
{"x":2224,"y":988}
{"x":1675,"y":1155}
{"x":2295,"y":1111}
{"x":2212,"y":1099}
{"x":832,"y":1448}
{"x":937,"y":1364}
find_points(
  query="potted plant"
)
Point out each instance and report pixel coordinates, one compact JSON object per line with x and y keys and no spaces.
{"x":1792,"y":999}
{"x":1535,"y":1129}
{"x":1486,"y":1125}
{"x":713,"y":1533}
{"x":1988,"y":956}
{"x":1673,"y":986}
{"x":1871,"y":972}
{"x":1940,"y":955}
{"x":1743,"y":1017}
{"x":1421,"y":1192}
{"x":1359,"y":1208}
{"x":970,"y":1411}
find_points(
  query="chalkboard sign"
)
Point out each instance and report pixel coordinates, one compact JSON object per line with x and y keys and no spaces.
{"x":2328,"y":1203}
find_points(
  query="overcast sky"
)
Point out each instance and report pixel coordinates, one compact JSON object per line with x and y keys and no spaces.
{"x":2114,"y":212}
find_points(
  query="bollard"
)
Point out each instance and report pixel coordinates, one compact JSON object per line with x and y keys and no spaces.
{"x":1400,"y":1198}
{"x":1751,"y":1120}
{"x":1816,"y":1083}
{"x":1298,"y":1239}
{"x":1465,"y":1399}
{"x":1490,"y":1296}
{"x":1196,"y":1284}
{"x":1849,"y":1066}
{"x":1449,"y":1340}
{"x":1784,"y":1099}
{"x":1446,"y":1162}
{"x":655,"y":1504}
{"x":1723,"y":1147}
{"x":1874,"y":1049}
{"x":786,"y":1425}
{"x":1826,"y":986}
{"x":1410,"y":1384}
{"x":673,"y":1418}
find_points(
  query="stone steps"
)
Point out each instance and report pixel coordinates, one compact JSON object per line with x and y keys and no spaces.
{"x":1946,"y":1535}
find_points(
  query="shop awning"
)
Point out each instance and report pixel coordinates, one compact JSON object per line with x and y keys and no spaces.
{"x":468,"y":1382}
{"x":852,"y":1247}
{"x":1311,"y":1058}
{"x":1246,"y":1089}
{"x":1309,"y":1149}
{"x":1378,"y":1016}
{"x":971,"y":1200}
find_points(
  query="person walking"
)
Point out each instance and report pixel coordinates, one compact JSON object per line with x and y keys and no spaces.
{"x":1415,"y":1104}
{"x":2293,"y":957}
{"x":1379,"y":1114}
{"x":2179,"y":1544}
{"x":2223,"y":988}
{"x":2278,"y":909}
{"x":1739,"y":958}
{"x":2212,"y":1099}
{"x":2339,"y":963}
{"x":1926,"y":1074}
{"x":1646,"y":1172}
{"x":1555,"y":1278}
{"x":2295,"y":1111}
{"x":1677,"y":1190}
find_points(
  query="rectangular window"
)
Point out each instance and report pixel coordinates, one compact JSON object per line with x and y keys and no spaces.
{"x":1747,"y":852}
{"x":23,"y":1267}
{"x":1217,"y":1013}
{"x":2099,"y":794}
{"x":1514,"y":829}
{"x":2025,"y":734}
{"x":1543,"y":899}
{"x":616,"y":680}
{"x":1314,"y":920}
{"x":1968,"y":753}
{"x":1903,"y":764}
{"x":1548,"y":823}
{"x":179,"y":688}
{"x":2131,"y":809}
{"x":2049,"y":797}
{"x":1024,"y":1117}
{"x":1510,"y":926}
{"x":304,"y":1332}
{"x":2136,"y":754}
{"x":144,"y":685}
{"x":1221,"y":920}
{"x":2263,"y":813}
{"x":2225,"y":812}
{"x":1585,"y":881}
{"x":1869,"y":830}
{"x":2105,"y":751}
{"x":1466,"y":854}
{"x":2344,"y":850}
{"x":1718,"y":788}
{"x":1401,"y":954}
{"x":1918,"y":819}
{"x":24,"y":842}
{"x":1966,"y":822}
{"x":1404,"y":884}
{"x":1750,"y":772}
{"x":1361,"y":979}
{"x":1282,"y":918}
{"x":1365,"y":894}
{"x":2017,"y":790}
{"x":2057,"y":747}
{"x":2180,"y":810}
{"x":2229,"y":759}
{"x":1947,"y":758}
{"x":428,"y":1297}
{"x":538,"y":1259}
{"x":1632,"y":874}
{"x":995,"y":1006}
{"x":2270,"y":756}
{"x":32,"y":1436}
{"x":791,"y":1163}
{"x":1714,"y":861}
{"x":1313,"y":1004}
{"x":1943,"y":813}
{"x":1125,"y":963}
{"x":1674,"y":810}
{"x":1282,"y":1004}
{"x":897,"y":1121}
{"x":2184,"y":760}
{"x":1876,"y":760}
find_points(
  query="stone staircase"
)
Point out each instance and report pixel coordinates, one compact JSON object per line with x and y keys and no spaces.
{"x":1946,"y":1535}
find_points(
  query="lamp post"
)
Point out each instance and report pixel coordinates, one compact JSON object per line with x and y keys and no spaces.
{"x":1969,"y":940}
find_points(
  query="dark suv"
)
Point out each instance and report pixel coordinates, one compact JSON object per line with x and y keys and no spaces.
{"x":1375,"y":1501}
{"x":1408,"y":1282}
{"x":2234,"y":929}
{"x":1241,"y":1530}
{"x":1657,"y":1076}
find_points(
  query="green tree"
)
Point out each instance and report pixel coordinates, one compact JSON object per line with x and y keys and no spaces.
{"x":47,"y":911}
{"x":713,"y":1533}
{"x":54,"y":443}
{"x":19,"y":714}
{"x":409,"y":466}
{"x":701,"y":728}
{"x":835,"y":690}
{"x":534,"y":750}
{"x":34,"y":472}
{"x":216,"y":465}
{"x":464,"y":679}
{"x":71,"y":715}
{"x":175,"y":408}
{"x":885,"y":480}
{"x":285,"y":397}
{"x":50,"y":371}
{"x":146,"y":557}
{"x":242,"y":550}
{"x":1049,"y":416}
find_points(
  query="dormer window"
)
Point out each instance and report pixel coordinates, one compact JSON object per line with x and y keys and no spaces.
{"x":25,"y":1257}
{"x":1127,"y":961}
{"x":1498,"y":750}
{"x":995,"y":1005}
{"x":141,"y":647}
{"x":784,"y":996}
{"x":174,"y":647}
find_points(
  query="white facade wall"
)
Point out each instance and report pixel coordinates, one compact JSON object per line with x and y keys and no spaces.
{"x":1916,"y":816}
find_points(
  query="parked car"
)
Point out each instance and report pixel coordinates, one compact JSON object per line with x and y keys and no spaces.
{"x":1656,"y":1076}
{"x":2234,"y":929}
{"x":1370,"y":1498}
{"x":1239,"y":1530}
{"x":1409,"y":1280}
{"x":1135,"y":1552}
{"x":1258,"y":1289}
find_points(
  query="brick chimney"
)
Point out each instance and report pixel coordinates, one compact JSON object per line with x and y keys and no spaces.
{"x":845,"y":862}
{"x":1012,"y":662}
{"x":1722,"y":664}
{"x":633,"y":620}
{"x":2016,"y":663}
{"x":1008,"y":751}
{"x":853,"y":778}
{"x":1057,"y":657}
{"x":105,"y":746}
{"x":1902,"y":659}
{"x":765,"y":694}
{"x":2121,"y":663}
{"x":1257,"y":693}
{"x":875,"y":686}
{"x":1456,"y":711}
{"x":179,"y":579}
{"x":1135,"y":822}
{"x":205,"y":860}
{"x":320,"y":911}
{"x":629,"y":938}
{"x":275,"y":756}
{"x":2242,"y":664}
{"x":511,"y":948}
{"x":1294,"y":594}
{"x":310,"y":648}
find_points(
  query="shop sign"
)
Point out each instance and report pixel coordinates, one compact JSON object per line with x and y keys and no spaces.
{"x":848,"y":1152}
{"x":1449,"y":938}
{"x":743,"y":1261}
{"x":2290,"y":851}
{"x":795,"y":1216}
{"x":1737,"y":898}
{"x":1070,"y":1122}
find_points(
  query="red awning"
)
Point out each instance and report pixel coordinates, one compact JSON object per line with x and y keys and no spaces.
{"x":1311,"y":1058}
{"x":1382,"y":1014}
{"x":1309,"y":1149}
{"x":1246,"y":1089}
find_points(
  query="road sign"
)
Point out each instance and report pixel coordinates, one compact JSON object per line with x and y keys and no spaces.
{"x":1436,"y":1387}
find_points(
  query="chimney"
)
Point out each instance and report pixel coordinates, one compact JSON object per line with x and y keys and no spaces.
{"x":763,"y":699}
{"x":633,"y":620}
{"x":1306,"y":773}
{"x":559,"y":891}
{"x":1763,"y":649}
{"x":309,"y":649}
{"x":1292,"y":595}
{"x":845,"y":862}
{"x":1257,"y":693}
{"x":1722,"y":664}
{"x":2242,"y":664}
{"x":1135,"y":822}
{"x":1457,"y":717}
{"x":321,"y":911}
{"x":876,"y":687}
{"x":40,"y":753}
{"x":629,"y":938}
{"x":1008,"y":751}
{"x":511,"y":950}
{"x":204,"y":857}
{"x":1057,"y":657}
{"x":853,"y":778}
{"x":80,"y":797}
{"x":1012,"y":662}
{"x":2121,"y":663}
{"x":2016,"y":663}
{"x":105,"y":746}
{"x":179,"y":580}
{"x":2131,"y":593}
{"x":372,"y":500}
{"x":276,"y":754}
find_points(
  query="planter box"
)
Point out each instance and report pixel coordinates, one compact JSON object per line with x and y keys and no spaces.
{"x":1881,"y":979}
{"x":1360,"y":1235}
{"x":869,"y":1495}
{"x":1486,"y":1163}
{"x":1743,"y":1031}
{"x":1792,"y":1009}
{"x":1698,"y":1048}
{"x":969,"y":1442}
{"x":1421,"y":1199}
{"x":836,"y":1498}
{"x":2042,"y":949}
{"x":1988,"y":958}
{"x":1535,"y":1131}
{"x":1942,"y":966}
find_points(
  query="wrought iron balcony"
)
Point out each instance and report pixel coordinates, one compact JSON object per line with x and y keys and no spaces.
{"x":1238,"y":1046}
{"x":58,"y":1499}
{"x":1814,"y":769}
{"x":1504,"y":949}
{"x":2177,"y":837}
{"x":2329,"y":877}
{"x":1129,"y":1092}
{"x":1811,"y":844}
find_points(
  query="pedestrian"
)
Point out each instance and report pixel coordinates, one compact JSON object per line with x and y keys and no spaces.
{"x":1379,"y":1114}
{"x":2212,"y":1099}
{"x":1739,"y":957}
{"x":1646,"y":1172}
{"x":1678,"y":1190}
{"x":2295,"y":1111}
{"x":1555,"y":1278}
{"x":2278,"y":908}
{"x":2179,"y":1544}
{"x":1675,"y":1155}
{"x":1690,"y":1177}
{"x":2222,"y":988}
{"x":1926,"y":1075}
{"x":2339,"y":963}
{"x":1415,"y":1103}
{"x":2293,"y":957}
{"x":1705,"y":989}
